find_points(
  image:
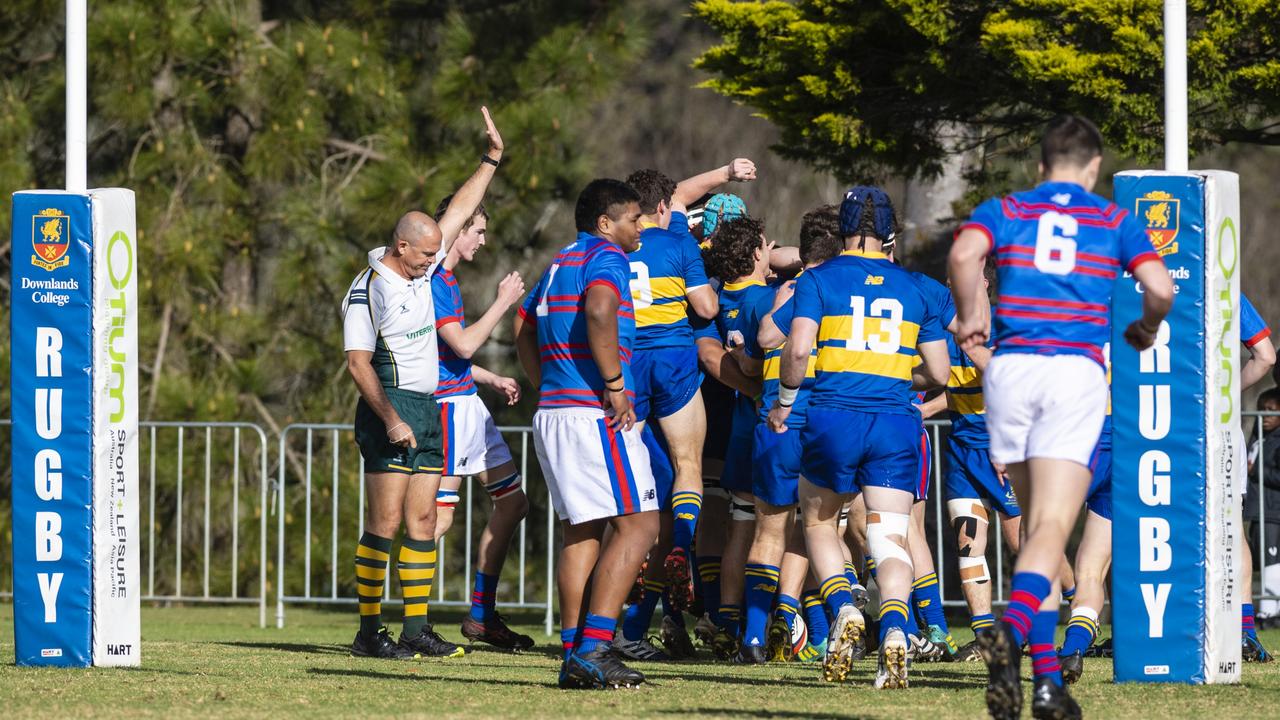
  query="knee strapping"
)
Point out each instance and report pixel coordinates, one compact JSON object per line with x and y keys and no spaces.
{"x":974,"y":570}
{"x":881,"y":527}
{"x":742,"y":510}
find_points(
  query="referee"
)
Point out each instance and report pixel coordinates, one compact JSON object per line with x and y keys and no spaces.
{"x":389,"y":335}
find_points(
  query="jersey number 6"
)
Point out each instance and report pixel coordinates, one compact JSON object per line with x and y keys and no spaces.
{"x":889,"y":312}
{"x":1055,"y":244}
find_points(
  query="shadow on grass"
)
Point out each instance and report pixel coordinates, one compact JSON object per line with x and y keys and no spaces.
{"x":292,"y":647}
{"x":747,"y":712}
{"x":419,"y":676}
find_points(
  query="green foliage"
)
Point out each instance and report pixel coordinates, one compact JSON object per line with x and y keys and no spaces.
{"x":859,"y":87}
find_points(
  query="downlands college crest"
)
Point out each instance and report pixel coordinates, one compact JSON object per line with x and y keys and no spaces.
{"x":50,"y":237}
{"x":1158,"y":211}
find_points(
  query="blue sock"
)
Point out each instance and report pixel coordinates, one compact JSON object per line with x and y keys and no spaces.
{"x":685,"y":506}
{"x":1044,"y":661}
{"x":978,"y":623}
{"x":1068,"y":594}
{"x":910,"y":625}
{"x":815,"y":616}
{"x":788,"y":609}
{"x":1028,"y":594}
{"x":852,"y":573}
{"x":709,"y":579}
{"x":567,"y":636}
{"x":762,"y":585}
{"x":1246,"y":621}
{"x":836,"y":593}
{"x":894,"y":614}
{"x":483,"y":596}
{"x":598,"y":630}
{"x":928,"y":601}
{"x":1081,"y":631}
{"x":638,"y":618}
{"x":729,"y":618}
{"x":871,"y":565}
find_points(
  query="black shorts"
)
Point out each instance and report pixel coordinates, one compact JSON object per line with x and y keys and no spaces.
{"x":718,"y":401}
{"x":423,"y":417}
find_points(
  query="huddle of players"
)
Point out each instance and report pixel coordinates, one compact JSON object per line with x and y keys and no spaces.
{"x":817,"y":456}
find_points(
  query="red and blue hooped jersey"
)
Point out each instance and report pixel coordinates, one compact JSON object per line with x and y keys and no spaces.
{"x":1253,"y":329}
{"x":569,"y":374}
{"x":455,"y":372}
{"x":871,"y":317}
{"x":1058,"y":249}
{"x":666,"y":266}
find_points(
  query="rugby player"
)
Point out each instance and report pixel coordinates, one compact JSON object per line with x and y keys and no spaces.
{"x":777,"y":548}
{"x":389,"y":337}
{"x":1254,"y":335}
{"x":1058,"y":250}
{"x":574,"y":336}
{"x":472,"y":444}
{"x":869,"y":320}
{"x":739,"y":255}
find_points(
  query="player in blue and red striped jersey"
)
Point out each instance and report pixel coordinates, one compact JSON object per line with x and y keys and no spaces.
{"x":1254,"y":335}
{"x":739,"y":255}
{"x":574,"y":336}
{"x":471,"y":442}
{"x":870,"y":322}
{"x":1058,"y":250}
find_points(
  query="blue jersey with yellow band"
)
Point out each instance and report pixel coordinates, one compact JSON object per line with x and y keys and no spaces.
{"x":941,"y":304}
{"x":964,"y":398}
{"x":871,"y":317}
{"x":773,"y":364}
{"x":665,"y":267}
{"x":455,"y":371}
{"x":1058,"y":249}
{"x":570,"y":377}
{"x":742,"y":306}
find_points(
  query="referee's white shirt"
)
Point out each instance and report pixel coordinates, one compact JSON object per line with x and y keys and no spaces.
{"x":395,"y":319}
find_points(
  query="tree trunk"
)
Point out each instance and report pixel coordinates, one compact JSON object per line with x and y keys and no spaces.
{"x":928,"y":211}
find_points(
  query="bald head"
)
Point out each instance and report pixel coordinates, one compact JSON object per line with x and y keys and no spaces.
{"x":415,"y":242}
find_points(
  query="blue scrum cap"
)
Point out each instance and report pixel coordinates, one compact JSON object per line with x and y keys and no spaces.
{"x":853,"y":206}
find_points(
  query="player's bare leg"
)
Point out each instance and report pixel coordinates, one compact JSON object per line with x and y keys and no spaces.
{"x":685,"y":431}
{"x":416,"y":567}
{"x":631,"y":640}
{"x":1093,"y":559}
{"x":888,"y":537}
{"x":793,"y":573}
{"x":820,"y":513}
{"x":855,"y":535}
{"x":509,"y":509}
{"x":925,"y":593}
{"x":384,"y":511}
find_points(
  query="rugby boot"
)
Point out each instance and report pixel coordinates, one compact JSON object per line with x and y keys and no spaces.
{"x":1051,"y":701}
{"x":922,"y":649}
{"x":380,"y":645}
{"x":943,"y":639}
{"x":704,"y":630}
{"x":968,"y":653}
{"x":892,"y":670}
{"x":571,"y":681}
{"x":642,"y":649}
{"x":1000,"y":651}
{"x":848,"y":636}
{"x":601,"y":668}
{"x":495,"y":632}
{"x":1072,"y":666}
{"x":812,"y":653}
{"x":1252,"y":651}
{"x":679,"y":581}
{"x":1101,"y":649}
{"x":751,"y":655}
{"x":778,"y":645}
{"x":428,"y":643}
{"x":723,"y":644}
{"x":860,"y":596}
{"x":676,"y":640}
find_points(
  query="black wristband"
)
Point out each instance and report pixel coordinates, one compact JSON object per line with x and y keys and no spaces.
{"x":797,"y":387}
{"x":620,"y":388}
{"x":612,"y":380}
{"x":486,"y":159}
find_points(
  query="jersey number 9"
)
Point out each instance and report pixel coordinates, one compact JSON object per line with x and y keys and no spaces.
{"x":889,"y":338}
{"x":1055,"y":244}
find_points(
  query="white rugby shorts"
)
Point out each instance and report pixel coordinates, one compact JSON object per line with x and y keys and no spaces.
{"x":471,"y":441}
{"x":593,"y":472}
{"x":1044,"y":406}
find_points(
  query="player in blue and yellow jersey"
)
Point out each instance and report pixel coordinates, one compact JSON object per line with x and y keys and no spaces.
{"x":574,"y":336}
{"x":776,"y":558}
{"x":668,"y":284}
{"x":1058,"y":250}
{"x":739,"y":255}
{"x":870,"y":322}
{"x":471,"y":442}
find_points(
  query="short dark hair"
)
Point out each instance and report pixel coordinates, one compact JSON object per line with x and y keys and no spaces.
{"x":1270,"y":395}
{"x":732,"y":255}
{"x":653,"y":188}
{"x":1070,"y":140}
{"x":444,"y":206}
{"x":820,"y":235}
{"x":601,"y":197}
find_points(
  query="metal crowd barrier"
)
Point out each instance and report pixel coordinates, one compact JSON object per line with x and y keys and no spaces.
{"x":318,"y":473}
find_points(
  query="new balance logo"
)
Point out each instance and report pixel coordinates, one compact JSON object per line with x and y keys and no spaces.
{"x":650,"y":495}
{"x":766,"y":587}
{"x":874,"y":280}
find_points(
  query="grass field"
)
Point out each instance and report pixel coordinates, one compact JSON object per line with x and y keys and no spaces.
{"x":215,"y":662}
